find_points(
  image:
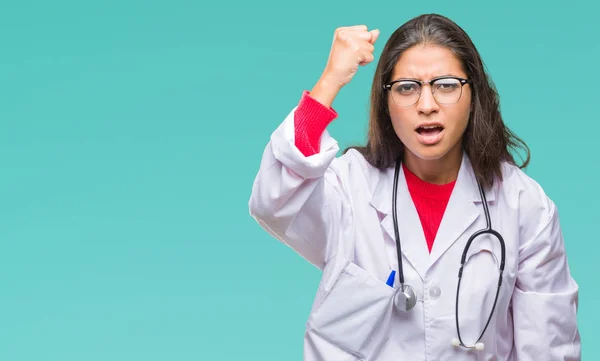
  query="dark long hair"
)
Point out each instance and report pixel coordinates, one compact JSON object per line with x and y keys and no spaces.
{"x":487,"y":141}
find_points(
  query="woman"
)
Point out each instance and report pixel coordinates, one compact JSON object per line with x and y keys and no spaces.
{"x":390,"y":223}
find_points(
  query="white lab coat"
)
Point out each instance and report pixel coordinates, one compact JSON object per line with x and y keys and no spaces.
{"x":336,"y":213}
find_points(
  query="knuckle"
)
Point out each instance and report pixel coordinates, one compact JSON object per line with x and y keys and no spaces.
{"x":368,"y":57}
{"x":343,"y":35}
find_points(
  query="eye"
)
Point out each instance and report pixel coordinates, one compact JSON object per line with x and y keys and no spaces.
{"x":446,"y":85}
{"x":406,"y":87}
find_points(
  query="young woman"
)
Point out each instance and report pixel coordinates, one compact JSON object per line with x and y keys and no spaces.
{"x":434,"y":244}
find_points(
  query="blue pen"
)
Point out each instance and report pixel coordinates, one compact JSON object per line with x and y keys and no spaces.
{"x":390,"y":280}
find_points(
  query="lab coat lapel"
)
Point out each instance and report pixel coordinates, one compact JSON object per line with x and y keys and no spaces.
{"x":461,"y":211}
{"x":412,"y":238}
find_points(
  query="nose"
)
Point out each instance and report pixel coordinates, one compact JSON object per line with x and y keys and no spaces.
{"x":427,"y":103}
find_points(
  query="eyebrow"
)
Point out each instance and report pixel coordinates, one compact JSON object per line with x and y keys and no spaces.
{"x":435,"y":77}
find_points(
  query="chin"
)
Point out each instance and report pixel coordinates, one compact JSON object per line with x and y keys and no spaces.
{"x":434,"y":152}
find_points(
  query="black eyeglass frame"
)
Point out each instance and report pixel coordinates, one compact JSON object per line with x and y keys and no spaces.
{"x":462,"y":82}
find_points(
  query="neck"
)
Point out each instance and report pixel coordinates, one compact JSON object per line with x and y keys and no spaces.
{"x":436,"y":171}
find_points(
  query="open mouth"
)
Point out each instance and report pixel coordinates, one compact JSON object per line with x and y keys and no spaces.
{"x":430,"y":134}
{"x":430,"y":130}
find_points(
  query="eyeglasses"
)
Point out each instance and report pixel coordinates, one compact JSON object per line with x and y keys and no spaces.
{"x":445,"y":90}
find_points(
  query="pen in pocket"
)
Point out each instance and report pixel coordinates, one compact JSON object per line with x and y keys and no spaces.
{"x":390,"y":280}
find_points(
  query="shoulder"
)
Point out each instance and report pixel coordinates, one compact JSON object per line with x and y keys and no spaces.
{"x":354,"y":169}
{"x":526,"y":196}
{"x":355,"y":159}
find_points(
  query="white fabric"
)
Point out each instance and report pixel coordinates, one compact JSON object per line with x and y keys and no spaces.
{"x":336,"y":213}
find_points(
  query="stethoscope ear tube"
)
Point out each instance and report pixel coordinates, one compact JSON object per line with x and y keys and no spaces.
{"x":406,"y":298}
{"x":395,"y":217}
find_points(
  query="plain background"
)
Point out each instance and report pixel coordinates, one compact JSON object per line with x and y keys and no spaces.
{"x":131,"y":132}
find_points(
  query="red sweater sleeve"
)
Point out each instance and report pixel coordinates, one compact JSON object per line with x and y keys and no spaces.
{"x":310,"y":120}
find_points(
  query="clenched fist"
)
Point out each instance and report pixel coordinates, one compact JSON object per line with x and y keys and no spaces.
{"x":352,"y":47}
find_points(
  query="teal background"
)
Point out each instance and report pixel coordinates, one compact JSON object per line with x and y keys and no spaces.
{"x":131,"y":132}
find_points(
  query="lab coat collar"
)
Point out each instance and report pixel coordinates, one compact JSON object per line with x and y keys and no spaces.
{"x":461,"y":212}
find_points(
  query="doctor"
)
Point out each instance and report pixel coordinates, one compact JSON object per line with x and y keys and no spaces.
{"x":393,"y":224}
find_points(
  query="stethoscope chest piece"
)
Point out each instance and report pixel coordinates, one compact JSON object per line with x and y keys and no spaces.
{"x":405,"y":298}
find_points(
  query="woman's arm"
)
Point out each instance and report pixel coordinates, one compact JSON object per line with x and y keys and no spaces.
{"x":545,"y":299}
{"x":298,"y":196}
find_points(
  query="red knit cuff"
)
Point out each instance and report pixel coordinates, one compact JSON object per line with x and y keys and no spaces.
{"x":310,"y":120}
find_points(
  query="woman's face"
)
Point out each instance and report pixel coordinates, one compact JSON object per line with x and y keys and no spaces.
{"x":429,"y":129}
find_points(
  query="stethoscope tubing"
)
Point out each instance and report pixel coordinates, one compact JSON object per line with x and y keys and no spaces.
{"x":487,"y":230}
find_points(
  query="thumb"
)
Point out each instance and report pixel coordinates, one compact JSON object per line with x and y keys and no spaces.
{"x":374,"y":35}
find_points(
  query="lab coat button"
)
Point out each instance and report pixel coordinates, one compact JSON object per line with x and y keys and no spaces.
{"x":435,"y":292}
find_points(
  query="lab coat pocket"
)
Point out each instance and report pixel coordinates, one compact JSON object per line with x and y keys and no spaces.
{"x":353,"y":312}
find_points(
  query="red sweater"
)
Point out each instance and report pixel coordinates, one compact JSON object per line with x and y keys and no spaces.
{"x":310,"y":120}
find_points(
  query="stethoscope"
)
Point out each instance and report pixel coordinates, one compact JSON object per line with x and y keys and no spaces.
{"x":406,"y":298}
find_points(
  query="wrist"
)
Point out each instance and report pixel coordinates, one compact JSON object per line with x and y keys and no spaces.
{"x":326,"y":90}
